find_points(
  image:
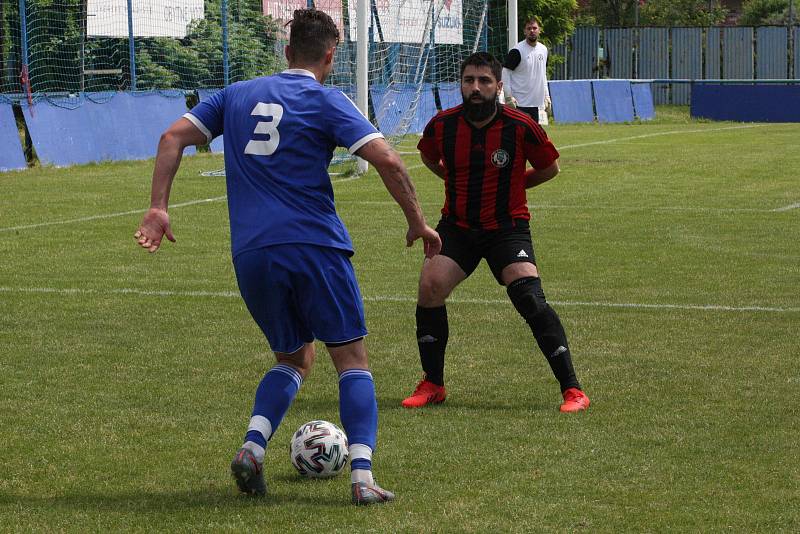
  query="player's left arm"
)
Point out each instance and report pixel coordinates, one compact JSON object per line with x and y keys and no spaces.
{"x":542,"y":154}
{"x":548,"y":103}
{"x":534,"y":177}
{"x":155,"y":223}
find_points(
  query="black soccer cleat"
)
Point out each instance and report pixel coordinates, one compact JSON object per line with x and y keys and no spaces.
{"x":247,"y":473}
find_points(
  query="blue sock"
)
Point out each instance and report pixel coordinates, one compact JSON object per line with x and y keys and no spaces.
{"x":358,"y":411}
{"x":274,"y":395}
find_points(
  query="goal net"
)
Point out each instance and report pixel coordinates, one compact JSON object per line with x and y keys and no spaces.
{"x":87,"y":49}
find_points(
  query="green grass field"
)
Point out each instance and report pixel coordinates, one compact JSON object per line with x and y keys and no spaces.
{"x":670,"y":249}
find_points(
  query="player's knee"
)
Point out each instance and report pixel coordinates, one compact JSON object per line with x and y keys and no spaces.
{"x":432,"y":291}
{"x":301,"y":360}
{"x":527,"y":296}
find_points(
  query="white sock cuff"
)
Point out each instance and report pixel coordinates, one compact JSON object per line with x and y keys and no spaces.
{"x":355,"y":373}
{"x":289,"y":371}
{"x":261,"y":424}
{"x":359,"y":451}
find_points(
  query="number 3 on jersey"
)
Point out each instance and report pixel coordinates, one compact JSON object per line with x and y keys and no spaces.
{"x":270,"y":127}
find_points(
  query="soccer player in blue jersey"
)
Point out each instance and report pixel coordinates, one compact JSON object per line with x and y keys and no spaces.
{"x":291,"y":251}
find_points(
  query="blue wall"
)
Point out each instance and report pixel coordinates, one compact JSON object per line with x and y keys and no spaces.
{"x":11,"y":156}
{"x":746,"y":103}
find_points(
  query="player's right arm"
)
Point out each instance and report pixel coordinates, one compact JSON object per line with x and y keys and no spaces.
{"x":436,"y":167}
{"x":429,"y":150}
{"x":397,"y":181}
{"x":155,"y":223}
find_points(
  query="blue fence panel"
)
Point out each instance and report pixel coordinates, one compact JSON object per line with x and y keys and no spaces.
{"x":393,"y":107}
{"x":123,"y":126}
{"x":450,"y":95}
{"x":687,"y":60}
{"x":772,"y":54}
{"x":653,"y":60}
{"x":619,"y":52}
{"x":746,"y":103}
{"x":218,"y":144}
{"x":713,"y":54}
{"x":426,"y":109}
{"x":796,"y":72}
{"x":583,"y":53}
{"x":737,"y":53}
{"x":11,"y":155}
{"x":572,"y":101}
{"x":559,"y":71}
{"x":613,"y":100}
{"x":642,"y":101}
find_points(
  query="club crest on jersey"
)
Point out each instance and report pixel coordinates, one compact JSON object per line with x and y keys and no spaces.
{"x":500,"y":158}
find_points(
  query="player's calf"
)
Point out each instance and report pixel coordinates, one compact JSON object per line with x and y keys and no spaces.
{"x":528,"y":298}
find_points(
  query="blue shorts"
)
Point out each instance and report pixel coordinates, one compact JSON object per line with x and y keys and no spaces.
{"x":297,"y":293}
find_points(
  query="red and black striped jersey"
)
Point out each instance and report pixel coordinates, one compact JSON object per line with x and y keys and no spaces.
{"x":485,"y":168}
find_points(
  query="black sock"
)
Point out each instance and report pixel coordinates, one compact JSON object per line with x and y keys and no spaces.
{"x":552,"y":340}
{"x":432,"y":332}
{"x":528,"y":298}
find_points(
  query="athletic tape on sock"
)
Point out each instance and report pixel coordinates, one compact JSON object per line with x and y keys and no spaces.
{"x":261,"y":424}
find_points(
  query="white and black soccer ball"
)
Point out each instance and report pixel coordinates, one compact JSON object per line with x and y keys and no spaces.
{"x":319,"y":449}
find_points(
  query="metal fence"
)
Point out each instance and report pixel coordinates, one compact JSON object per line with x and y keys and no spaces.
{"x":62,"y":47}
{"x":680,"y":54}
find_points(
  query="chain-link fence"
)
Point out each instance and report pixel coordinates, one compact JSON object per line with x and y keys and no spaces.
{"x":52,"y":47}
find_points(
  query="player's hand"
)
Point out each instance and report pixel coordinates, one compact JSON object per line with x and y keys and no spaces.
{"x":511,"y":102}
{"x":153,"y":228}
{"x":548,"y":104}
{"x":430,"y":240}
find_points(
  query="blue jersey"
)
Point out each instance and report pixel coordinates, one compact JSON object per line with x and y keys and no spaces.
{"x":280,"y":134}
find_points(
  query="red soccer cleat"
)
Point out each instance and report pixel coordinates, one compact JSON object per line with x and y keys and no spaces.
{"x":575,"y":400}
{"x":425,"y":393}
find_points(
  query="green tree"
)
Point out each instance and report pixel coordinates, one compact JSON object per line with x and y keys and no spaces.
{"x":763,"y":12}
{"x":197,"y":59}
{"x":623,"y":13}
{"x":60,"y":52}
{"x":557,"y":16}
{"x":682,"y":13}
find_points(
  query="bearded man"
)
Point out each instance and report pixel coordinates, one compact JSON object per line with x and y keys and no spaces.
{"x":481,"y":149}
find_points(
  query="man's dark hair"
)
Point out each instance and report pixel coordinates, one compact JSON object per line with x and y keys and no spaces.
{"x":483,"y":59}
{"x":312,"y":34}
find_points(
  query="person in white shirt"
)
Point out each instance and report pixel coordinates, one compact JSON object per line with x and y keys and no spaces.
{"x":525,"y":74}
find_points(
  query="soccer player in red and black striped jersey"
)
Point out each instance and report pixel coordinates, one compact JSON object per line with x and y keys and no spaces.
{"x":481,"y":149}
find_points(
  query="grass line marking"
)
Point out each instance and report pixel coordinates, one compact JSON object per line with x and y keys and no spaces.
{"x":359,"y":176}
{"x":789,"y":207}
{"x":107,"y":215}
{"x":596,"y":207}
{"x":390,"y":298}
{"x":657,"y":134}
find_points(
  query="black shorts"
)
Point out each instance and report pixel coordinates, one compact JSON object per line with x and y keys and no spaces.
{"x":533,"y":112}
{"x":500,"y":248}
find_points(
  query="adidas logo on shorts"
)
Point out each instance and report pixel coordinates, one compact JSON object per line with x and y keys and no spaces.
{"x":522,"y":254}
